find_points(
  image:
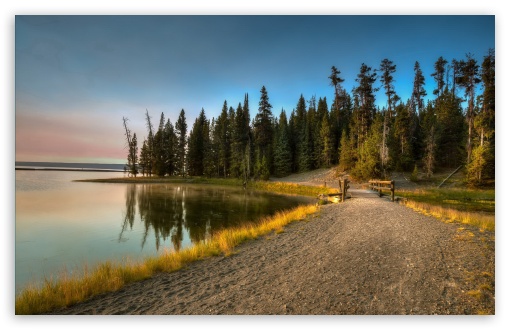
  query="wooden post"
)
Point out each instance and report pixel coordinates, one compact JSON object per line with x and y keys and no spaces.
{"x":392,"y":190}
{"x":344,"y":188}
{"x":379,"y":184}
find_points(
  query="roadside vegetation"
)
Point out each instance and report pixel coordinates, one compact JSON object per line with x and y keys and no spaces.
{"x":111,"y":276}
{"x":275,"y":187}
{"x":467,"y":206}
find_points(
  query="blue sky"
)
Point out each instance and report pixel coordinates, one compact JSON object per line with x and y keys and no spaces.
{"x":77,"y":76}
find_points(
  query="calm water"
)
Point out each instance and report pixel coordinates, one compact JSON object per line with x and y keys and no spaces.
{"x":62,"y":224}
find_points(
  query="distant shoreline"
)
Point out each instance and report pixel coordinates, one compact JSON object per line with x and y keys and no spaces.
{"x":60,"y":166}
{"x":66,"y":169}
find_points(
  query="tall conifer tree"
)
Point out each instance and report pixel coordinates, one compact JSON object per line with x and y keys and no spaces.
{"x":181,"y":128}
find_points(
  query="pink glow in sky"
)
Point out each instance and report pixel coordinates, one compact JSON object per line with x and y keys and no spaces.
{"x":77,"y":76}
{"x":72,"y":137}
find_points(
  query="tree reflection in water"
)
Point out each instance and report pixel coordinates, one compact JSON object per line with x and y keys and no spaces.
{"x":172,"y":211}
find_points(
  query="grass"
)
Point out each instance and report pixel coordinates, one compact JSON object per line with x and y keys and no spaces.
{"x":169,"y":179}
{"x":466,"y":206}
{"x":291,"y":188}
{"x":271,"y":186}
{"x":110,"y":276}
{"x":479,"y":220}
{"x":471,"y":200}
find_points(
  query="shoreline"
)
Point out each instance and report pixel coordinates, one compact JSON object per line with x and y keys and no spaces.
{"x":66,"y":169}
{"x":320,"y":266}
{"x":348,"y":259}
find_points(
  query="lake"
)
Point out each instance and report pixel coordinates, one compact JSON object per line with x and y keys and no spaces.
{"x":65,"y":225}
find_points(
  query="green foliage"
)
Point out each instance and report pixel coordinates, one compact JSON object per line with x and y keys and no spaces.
{"x":181,"y":129}
{"x":388,"y":68}
{"x":133,"y":156}
{"x":476,"y":166}
{"x":363,"y":139}
{"x":364,"y":108}
{"x":414,"y":175}
{"x":450,"y":130}
{"x":327,"y":142}
{"x":132,"y":145}
{"x":472,"y":200}
{"x":347,"y":152}
{"x":418,"y":92}
{"x":369,"y":164}
{"x":198,"y":142}
{"x":283,"y":155}
{"x":439,"y":75}
{"x":402,"y":149}
{"x":262,"y":169}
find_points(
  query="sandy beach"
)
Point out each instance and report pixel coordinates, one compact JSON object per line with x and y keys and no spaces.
{"x":364,"y":256}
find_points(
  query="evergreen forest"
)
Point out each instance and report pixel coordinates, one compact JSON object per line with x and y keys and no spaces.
{"x":452,"y":128}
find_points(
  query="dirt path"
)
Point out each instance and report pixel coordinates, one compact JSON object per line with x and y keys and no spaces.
{"x":364,"y":256}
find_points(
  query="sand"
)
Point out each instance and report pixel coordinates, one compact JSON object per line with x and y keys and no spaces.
{"x":364,"y":256}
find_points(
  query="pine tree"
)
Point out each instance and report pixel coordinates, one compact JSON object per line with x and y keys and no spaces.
{"x":248,"y":140}
{"x":416,"y":105}
{"x":369,"y":165}
{"x":131,"y":142}
{"x":469,"y":79}
{"x":439,"y":75}
{"x":181,"y":128}
{"x":430,"y":151}
{"x":238,"y":143}
{"x":327,"y":143}
{"x":387,"y":68}
{"x":169,"y":148}
{"x":481,"y":167}
{"x":298,"y":138}
{"x":212,"y":164}
{"x":336,"y":82}
{"x":364,"y":110}
{"x":223,"y":126}
{"x":282,"y":156}
{"x":487,"y":118}
{"x":133,"y":156}
{"x":450,"y":130}
{"x":196,"y":146}
{"x":150,"y":143}
{"x":263,"y":132}
{"x":347,"y":152}
{"x":402,"y":137}
{"x":144,"y":158}
{"x":455,"y":67}
{"x":158,"y":149}
{"x":305,"y":150}
{"x":418,"y":92}
{"x":315,"y":126}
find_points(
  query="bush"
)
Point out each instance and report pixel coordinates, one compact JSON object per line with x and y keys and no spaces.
{"x":414,"y":175}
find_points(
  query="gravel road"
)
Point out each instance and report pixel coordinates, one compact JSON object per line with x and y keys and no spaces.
{"x":364,"y":256}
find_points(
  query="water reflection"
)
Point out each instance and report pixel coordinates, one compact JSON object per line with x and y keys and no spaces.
{"x":61,"y":224}
{"x":172,"y":212}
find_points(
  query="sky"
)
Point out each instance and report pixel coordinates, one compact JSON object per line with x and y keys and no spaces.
{"x":77,"y":76}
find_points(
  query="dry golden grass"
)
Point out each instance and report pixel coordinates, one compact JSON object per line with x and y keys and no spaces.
{"x":111,"y":276}
{"x":479,"y":220}
{"x":292,"y":188}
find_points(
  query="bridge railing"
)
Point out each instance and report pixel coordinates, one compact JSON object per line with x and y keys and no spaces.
{"x":342,"y":192}
{"x":380,"y":185}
